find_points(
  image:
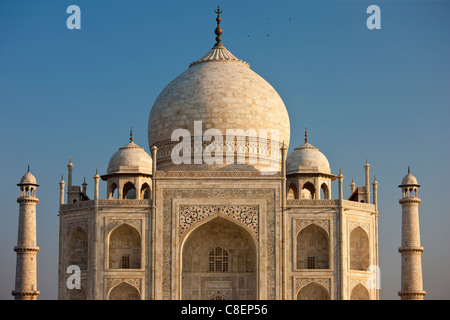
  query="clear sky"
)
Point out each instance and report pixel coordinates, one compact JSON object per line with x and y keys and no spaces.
{"x":382,"y":94}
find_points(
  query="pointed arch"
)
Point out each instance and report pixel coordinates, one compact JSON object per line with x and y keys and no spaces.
{"x":129,"y":191}
{"x":124,"y":291}
{"x":145,"y":191}
{"x":313,"y":291}
{"x":226,"y":253}
{"x":359,"y":249}
{"x":124,"y":250}
{"x":308,"y":191}
{"x":325,"y":191}
{"x":112,"y":193}
{"x":313,"y":248}
{"x":359,"y":292}
{"x":292,"y":192}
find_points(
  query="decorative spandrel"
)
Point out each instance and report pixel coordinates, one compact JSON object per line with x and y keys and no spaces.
{"x":247,"y":215}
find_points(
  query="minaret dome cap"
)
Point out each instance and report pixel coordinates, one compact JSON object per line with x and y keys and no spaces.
{"x":409,"y":180}
{"x":28,"y":179}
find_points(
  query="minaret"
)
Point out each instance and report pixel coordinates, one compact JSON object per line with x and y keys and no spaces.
{"x":96,"y":180}
{"x":69,"y":176}
{"x":411,"y":251}
{"x":352,"y":186}
{"x":26,"y":249}
{"x":61,"y":190}
{"x":84,"y":184}
{"x":366,"y":169}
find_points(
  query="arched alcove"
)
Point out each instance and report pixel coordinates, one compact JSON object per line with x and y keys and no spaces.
{"x":313,"y":248}
{"x":124,"y":291}
{"x":359,"y":292}
{"x":313,"y":291}
{"x":219,"y":259}
{"x":359,"y":249}
{"x":124,"y":248}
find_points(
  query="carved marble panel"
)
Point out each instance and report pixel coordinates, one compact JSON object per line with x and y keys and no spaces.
{"x":135,"y":223}
{"x":247,"y":215}
{"x":299,"y":224}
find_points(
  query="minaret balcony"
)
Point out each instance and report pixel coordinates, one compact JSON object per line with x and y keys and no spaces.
{"x":410,"y":249}
{"x":410,"y":200}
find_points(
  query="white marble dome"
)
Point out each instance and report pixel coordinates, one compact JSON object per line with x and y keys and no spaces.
{"x":28,"y":178}
{"x":223,"y":93}
{"x":130,"y":159}
{"x":307,"y":159}
{"x":409,"y":180}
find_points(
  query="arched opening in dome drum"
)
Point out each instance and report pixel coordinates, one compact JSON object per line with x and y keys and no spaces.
{"x":292,"y":192}
{"x":145,"y":191}
{"x":113,"y":193}
{"x":129,"y":191}
{"x":308,"y":191}
{"x":324,"y":192}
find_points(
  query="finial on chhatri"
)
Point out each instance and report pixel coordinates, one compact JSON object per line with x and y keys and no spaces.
{"x":28,"y":168}
{"x":306,"y":135}
{"x":218,"y":30}
{"x":409,"y":170}
{"x":131,"y":134}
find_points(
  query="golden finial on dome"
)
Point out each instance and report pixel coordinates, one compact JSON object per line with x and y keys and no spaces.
{"x":131,"y":134}
{"x":218,"y":30}
{"x":306,"y":135}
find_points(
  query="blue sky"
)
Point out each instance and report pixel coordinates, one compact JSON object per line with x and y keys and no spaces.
{"x":381,"y":94}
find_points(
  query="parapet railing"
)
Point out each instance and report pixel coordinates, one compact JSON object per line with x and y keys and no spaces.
{"x":106,"y":203}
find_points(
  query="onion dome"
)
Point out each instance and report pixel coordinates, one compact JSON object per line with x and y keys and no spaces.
{"x":221,"y":92}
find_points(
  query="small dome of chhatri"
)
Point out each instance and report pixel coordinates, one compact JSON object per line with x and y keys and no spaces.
{"x":409,"y":179}
{"x":28,"y":178}
{"x":130,"y":159}
{"x":307,"y":159}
